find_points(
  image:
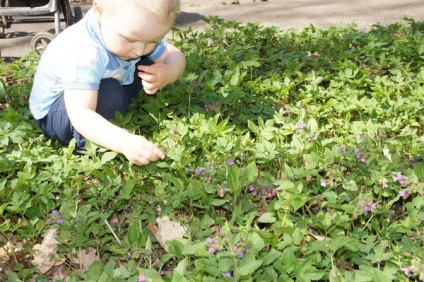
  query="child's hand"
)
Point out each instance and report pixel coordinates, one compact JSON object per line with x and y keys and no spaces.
{"x":138,"y":150}
{"x":156,"y":76}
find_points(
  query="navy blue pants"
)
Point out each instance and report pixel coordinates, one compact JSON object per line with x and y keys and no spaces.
{"x":112,"y":97}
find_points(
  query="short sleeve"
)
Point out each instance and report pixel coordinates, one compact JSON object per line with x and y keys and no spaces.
{"x":158,"y":51}
{"x":82,"y":69}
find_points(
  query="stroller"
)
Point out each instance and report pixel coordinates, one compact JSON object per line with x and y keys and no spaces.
{"x":54,"y":7}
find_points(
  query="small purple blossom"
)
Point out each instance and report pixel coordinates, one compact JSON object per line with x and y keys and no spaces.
{"x":385,"y":185}
{"x":342,"y":149}
{"x":373,"y":206}
{"x":251,"y":187}
{"x":212,"y":250}
{"x":359,"y":137}
{"x":362,"y":160}
{"x":230,"y":162}
{"x":49,"y":221}
{"x":228,"y":274}
{"x":240,"y":254}
{"x":235,"y":249}
{"x":187,"y":169}
{"x":254,"y":193}
{"x":141,"y":278}
{"x":399,"y":178}
{"x":406,"y":270}
{"x":300,"y":125}
{"x":263,"y":191}
{"x":404,"y":193}
{"x":367,"y":209}
{"x":357,"y":153}
{"x":324,"y":182}
{"x":212,"y":107}
{"x":55,"y":212}
{"x":59,"y":220}
{"x":287,"y":111}
{"x":209,"y":241}
{"x":200,"y":171}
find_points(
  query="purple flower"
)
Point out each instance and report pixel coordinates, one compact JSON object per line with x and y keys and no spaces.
{"x":208,"y":108}
{"x":385,"y":185}
{"x":324,"y":182}
{"x":200,"y":171}
{"x":188,"y":169}
{"x":287,"y":111}
{"x":240,"y":254}
{"x":359,"y":137}
{"x":49,"y":221}
{"x":235,"y":249}
{"x":141,"y":278}
{"x":230,"y":162}
{"x":399,"y":178}
{"x":251,"y":187}
{"x":300,"y":125}
{"x":254,"y":193}
{"x":406,"y":270}
{"x":342,"y":149}
{"x":263,"y":191}
{"x":212,"y":250}
{"x":373,"y":206}
{"x":362,"y":160}
{"x":209,"y":241}
{"x":212,"y":107}
{"x":59,"y":220}
{"x":367,"y":209}
{"x":55,"y":212}
{"x":228,"y":274}
{"x":404,"y":193}
{"x":357,"y":153}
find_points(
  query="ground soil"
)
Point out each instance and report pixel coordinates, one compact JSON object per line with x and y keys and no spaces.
{"x":284,"y":14}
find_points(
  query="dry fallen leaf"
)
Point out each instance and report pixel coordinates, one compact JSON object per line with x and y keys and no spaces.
{"x":167,"y":230}
{"x":43,"y":252}
{"x":85,"y":258}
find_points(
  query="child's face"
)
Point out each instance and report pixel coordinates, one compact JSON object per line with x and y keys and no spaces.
{"x":130,"y":31}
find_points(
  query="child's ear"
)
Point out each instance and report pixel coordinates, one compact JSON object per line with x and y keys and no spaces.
{"x":98,"y":9}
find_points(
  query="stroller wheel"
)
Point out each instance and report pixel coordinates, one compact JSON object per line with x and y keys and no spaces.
{"x":40,"y":41}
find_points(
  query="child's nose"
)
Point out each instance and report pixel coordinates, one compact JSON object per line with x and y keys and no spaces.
{"x":139,"y":49}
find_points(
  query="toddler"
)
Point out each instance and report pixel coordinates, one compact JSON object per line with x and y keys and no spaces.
{"x":95,"y":67}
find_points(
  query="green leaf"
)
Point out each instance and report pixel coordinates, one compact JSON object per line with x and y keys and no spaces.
{"x":248,"y":265}
{"x":249,"y":174}
{"x":267,"y":217}
{"x":419,"y":170}
{"x":108,"y":156}
{"x":233,"y":177}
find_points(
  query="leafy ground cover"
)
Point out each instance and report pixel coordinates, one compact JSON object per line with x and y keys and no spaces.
{"x":288,"y":159}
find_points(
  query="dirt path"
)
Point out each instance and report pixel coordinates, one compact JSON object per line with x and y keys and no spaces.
{"x":282,"y":13}
{"x":300,"y":13}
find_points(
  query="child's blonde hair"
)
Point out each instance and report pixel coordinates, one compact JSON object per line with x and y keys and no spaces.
{"x":165,"y":11}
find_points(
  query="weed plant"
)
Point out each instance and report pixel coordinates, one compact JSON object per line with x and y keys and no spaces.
{"x":288,"y":159}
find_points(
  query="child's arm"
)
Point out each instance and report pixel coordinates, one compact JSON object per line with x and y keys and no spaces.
{"x":167,"y":69}
{"x":81,"y":106}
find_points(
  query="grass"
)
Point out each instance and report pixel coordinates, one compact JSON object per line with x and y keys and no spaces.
{"x":288,"y":159}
